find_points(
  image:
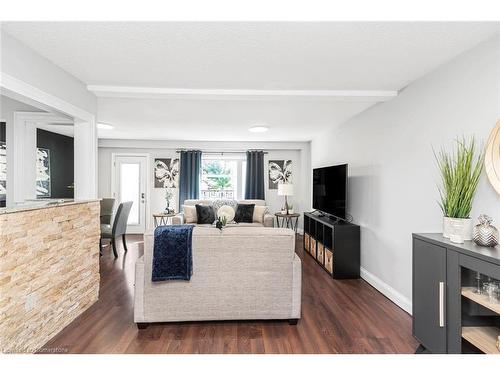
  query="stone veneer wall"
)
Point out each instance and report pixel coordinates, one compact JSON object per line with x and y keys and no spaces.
{"x":49,"y":272}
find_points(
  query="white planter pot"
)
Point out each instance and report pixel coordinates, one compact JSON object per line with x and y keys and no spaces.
{"x":460,"y":227}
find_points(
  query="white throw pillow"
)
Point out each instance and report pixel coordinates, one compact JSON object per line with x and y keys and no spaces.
{"x":227,"y":212}
{"x":190,"y":215}
{"x":258,"y":214}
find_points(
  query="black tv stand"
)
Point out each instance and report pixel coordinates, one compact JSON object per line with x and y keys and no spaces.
{"x":333,"y":243}
{"x":334,"y":219}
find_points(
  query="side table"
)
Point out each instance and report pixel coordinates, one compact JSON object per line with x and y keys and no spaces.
{"x":287,"y":220}
{"x":162,"y":218}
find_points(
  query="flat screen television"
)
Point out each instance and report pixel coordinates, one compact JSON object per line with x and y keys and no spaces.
{"x":330,"y":190}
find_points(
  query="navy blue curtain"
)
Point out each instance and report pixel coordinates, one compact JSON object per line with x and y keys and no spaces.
{"x":189,"y":177}
{"x":254,"y":187}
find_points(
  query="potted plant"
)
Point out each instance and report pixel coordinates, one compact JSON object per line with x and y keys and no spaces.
{"x":290,"y":209}
{"x":460,"y":173}
{"x":221,"y":222}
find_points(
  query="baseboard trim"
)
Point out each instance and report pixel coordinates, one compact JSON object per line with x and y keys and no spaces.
{"x":387,"y":290}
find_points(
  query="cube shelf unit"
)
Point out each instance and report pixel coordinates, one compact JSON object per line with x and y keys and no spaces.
{"x":334,"y":245}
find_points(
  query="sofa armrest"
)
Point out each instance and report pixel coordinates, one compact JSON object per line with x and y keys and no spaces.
{"x":178,"y":219}
{"x":269,"y":220}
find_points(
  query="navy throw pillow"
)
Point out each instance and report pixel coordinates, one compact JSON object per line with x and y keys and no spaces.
{"x":244,"y":213}
{"x":205,"y":214}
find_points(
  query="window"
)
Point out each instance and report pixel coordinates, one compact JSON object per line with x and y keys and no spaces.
{"x":222,"y":177}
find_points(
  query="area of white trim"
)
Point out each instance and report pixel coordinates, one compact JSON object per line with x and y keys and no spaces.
{"x":168,"y":92}
{"x":23,"y":165}
{"x":387,"y":290}
{"x":215,"y":146}
{"x":22,"y":88}
{"x":85,"y":133}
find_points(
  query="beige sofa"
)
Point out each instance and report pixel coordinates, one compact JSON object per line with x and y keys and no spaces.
{"x":241,"y":273}
{"x":268,"y":220}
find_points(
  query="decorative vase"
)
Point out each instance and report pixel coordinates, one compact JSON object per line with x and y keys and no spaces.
{"x":458,"y":227}
{"x":485,"y":234}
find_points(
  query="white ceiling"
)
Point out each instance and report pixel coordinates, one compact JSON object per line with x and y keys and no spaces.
{"x":258,"y":55}
{"x":221,"y":120}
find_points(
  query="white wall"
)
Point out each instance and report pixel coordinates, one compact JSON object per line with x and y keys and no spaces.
{"x":393,"y":176}
{"x":21,"y":62}
{"x":166,"y":149}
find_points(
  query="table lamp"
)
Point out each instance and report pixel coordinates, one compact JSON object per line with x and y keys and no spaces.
{"x":286,"y":190}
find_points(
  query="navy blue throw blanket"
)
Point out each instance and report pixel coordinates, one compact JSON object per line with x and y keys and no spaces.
{"x":172,"y":253}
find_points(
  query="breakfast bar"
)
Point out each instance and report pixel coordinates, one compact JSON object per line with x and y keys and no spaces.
{"x":49,"y":269}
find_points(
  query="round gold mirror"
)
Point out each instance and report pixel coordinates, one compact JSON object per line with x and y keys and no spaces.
{"x":492,"y":158}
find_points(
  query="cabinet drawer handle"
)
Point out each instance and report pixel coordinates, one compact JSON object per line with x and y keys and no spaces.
{"x":441,"y":304}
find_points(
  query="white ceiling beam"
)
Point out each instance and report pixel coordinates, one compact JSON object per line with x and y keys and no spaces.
{"x":165,"y":92}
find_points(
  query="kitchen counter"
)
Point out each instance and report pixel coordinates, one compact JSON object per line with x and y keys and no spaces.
{"x":42,"y":203}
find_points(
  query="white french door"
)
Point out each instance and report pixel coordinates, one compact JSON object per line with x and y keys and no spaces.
{"x":130,"y":184}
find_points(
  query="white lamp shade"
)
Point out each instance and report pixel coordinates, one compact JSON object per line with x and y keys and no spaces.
{"x":285,"y":189}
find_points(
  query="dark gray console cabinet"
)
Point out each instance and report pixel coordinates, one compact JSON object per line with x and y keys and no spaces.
{"x":451,"y":312}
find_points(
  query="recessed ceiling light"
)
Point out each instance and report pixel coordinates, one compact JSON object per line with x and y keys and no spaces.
{"x":258,"y":129}
{"x":104,"y":126}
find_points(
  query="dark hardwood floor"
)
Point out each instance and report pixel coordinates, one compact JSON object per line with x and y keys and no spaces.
{"x":338,"y":316}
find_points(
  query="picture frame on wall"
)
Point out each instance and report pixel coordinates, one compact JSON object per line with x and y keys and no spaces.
{"x":166,"y":173}
{"x":279,"y":172}
{"x":43,"y":186}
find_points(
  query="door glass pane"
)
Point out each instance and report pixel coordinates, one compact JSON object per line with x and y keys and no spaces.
{"x":129,"y":189}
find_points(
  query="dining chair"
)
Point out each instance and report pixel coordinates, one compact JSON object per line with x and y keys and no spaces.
{"x":119,"y":227}
{"x":107,"y":205}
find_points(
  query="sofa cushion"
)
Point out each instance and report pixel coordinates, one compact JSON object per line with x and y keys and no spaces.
{"x":190,"y":215}
{"x":244,"y":213}
{"x":243,"y":224}
{"x":258,"y":213}
{"x":205,"y":214}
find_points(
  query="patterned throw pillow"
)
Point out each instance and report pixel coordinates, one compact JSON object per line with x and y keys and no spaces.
{"x":205,"y":214}
{"x":227,"y":212}
{"x":218,"y":203}
{"x":244,"y":213}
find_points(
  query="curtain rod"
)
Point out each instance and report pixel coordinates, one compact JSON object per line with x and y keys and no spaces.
{"x":222,"y":152}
